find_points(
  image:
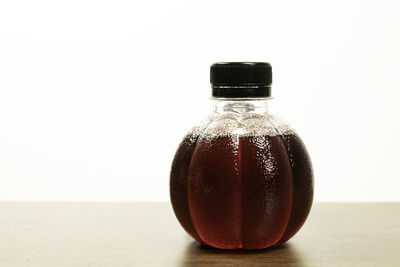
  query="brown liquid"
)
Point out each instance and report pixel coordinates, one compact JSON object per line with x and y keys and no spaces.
{"x":242,"y":192}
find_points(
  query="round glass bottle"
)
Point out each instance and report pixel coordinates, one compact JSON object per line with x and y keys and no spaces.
{"x":242,"y":179}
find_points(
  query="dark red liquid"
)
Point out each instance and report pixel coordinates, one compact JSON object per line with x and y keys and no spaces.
{"x":242,"y":192}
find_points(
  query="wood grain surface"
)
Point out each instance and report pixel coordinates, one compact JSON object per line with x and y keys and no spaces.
{"x":147,"y":234}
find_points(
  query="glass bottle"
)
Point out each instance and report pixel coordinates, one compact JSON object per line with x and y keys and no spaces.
{"x":242,"y":179}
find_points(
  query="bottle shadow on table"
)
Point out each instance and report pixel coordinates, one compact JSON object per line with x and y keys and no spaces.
{"x":283,"y":255}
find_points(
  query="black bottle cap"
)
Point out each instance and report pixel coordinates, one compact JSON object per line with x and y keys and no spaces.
{"x":241,"y":79}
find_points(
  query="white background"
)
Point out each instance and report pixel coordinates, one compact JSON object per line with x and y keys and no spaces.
{"x":95,"y":96}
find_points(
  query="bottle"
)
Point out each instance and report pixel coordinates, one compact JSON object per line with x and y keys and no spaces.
{"x":242,"y":179}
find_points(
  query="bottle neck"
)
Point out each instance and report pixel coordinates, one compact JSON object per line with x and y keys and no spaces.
{"x":254,"y":106}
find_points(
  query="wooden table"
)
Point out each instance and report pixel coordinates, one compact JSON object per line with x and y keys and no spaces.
{"x":145,"y":234}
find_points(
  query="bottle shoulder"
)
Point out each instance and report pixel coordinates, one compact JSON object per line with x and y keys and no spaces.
{"x":241,"y":124}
